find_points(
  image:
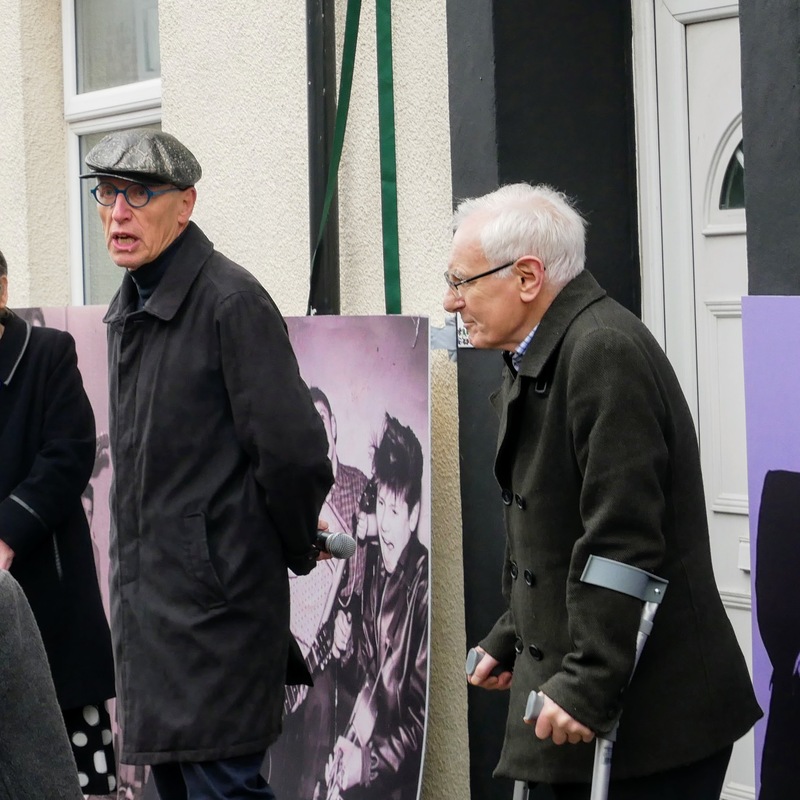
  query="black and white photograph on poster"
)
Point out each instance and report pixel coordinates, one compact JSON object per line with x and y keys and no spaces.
{"x":363,"y":622}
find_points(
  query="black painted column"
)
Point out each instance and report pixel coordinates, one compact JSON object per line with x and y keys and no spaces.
{"x":770,"y":37}
{"x":321,"y":75}
{"x":540,"y":90}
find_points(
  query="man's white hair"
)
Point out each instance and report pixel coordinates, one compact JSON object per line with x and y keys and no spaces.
{"x":521,"y":220}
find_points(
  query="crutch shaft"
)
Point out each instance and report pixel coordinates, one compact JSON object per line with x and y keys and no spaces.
{"x":601,"y":773}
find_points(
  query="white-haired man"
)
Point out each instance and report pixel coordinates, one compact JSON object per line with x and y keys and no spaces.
{"x":597,"y":455}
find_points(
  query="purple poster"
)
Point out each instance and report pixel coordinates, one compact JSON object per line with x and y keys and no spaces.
{"x":362,"y":623}
{"x":771,"y":327}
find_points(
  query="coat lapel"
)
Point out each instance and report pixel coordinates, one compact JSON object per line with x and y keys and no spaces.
{"x":12,"y":346}
{"x":576,"y":296}
{"x":187,"y":262}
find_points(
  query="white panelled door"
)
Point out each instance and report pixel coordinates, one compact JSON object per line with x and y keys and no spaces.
{"x":688,"y":87}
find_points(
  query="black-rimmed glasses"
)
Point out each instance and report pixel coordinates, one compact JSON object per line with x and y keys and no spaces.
{"x":456,"y":285}
{"x":136,"y":194}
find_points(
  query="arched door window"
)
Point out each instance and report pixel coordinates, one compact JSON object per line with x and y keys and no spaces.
{"x":732,"y":194}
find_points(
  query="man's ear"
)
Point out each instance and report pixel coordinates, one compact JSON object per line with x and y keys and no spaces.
{"x":413,"y":516}
{"x":333,"y":427}
{"x":188,"y":198}
{"x":530,"y":274}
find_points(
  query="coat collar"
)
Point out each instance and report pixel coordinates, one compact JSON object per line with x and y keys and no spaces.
{"x":13,"y":344}
{"x":577,"y":295}
{"x":187,"y":261}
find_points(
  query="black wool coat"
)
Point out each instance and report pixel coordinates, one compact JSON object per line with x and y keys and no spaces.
{"x":220,"y":470}
{"x":597,"y":455}
{"x":47,"y":442}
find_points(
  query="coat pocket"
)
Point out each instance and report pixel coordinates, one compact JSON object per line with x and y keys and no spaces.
{"x":208,"y":588}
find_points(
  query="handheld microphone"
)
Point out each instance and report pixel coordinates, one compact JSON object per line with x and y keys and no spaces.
{"x":339,"y":545}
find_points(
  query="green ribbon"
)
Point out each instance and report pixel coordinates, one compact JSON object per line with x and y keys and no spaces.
{"x":391,"y":244}
{"x":388,"y":157}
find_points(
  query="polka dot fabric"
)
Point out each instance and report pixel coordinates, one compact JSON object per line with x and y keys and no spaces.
{"x":89,"y":730}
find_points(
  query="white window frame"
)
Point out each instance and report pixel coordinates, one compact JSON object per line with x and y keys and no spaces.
{"x":124,"y":106}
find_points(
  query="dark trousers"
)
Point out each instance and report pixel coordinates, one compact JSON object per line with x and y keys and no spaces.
{"x":701,"y":780}
{"x":227,"y":779}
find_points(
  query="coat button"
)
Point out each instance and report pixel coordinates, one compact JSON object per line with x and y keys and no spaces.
{"x":520,"y":501}
{"x":530,"y":578}
{"x":535,"y":652}
{"x":518,"y":646}
{"x":507,"y":496}
{"x":514,"y":569}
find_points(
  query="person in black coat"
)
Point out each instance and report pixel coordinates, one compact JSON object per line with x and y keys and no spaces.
{"x":220,"y":470}
{"x":47,"y":438}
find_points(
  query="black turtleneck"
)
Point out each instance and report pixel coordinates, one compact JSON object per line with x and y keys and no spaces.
{"x":148,"y":276}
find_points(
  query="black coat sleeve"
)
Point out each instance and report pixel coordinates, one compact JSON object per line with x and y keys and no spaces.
{"x":64,"y":456}
{"x":275,"y":420}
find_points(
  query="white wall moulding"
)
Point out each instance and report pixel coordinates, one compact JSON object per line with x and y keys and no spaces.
{"x":736,"y":601}
{"x":737,"y":791}
{"x":726,"y":415}
{"x":688,"y":11}
{"x":647,"y":167}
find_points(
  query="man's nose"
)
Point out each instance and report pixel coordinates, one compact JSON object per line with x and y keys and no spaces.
{"x":451,"y":301}
{"x":120,"y":210}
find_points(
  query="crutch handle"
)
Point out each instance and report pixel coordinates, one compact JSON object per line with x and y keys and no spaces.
{"x":473,"y":659}
{"x":534,"y":706}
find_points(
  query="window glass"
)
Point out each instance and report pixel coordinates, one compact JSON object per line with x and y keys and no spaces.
{"x":116,"y":43}
{"x":732,"y":194}
{"x":101,"y":277}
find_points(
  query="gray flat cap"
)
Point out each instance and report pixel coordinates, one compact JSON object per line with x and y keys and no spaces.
{"x":145,"y":155}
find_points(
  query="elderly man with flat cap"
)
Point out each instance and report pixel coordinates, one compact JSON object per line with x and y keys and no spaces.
{"x":220,"y":470}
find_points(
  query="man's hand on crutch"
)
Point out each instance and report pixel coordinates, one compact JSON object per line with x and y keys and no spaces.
{"x":552,"y":722}
{"x":486,"y":671}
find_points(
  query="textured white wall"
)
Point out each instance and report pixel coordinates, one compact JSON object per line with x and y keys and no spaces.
{"x":234,"y":89}
{"x":33,"y":180}
{"x":12,"y":162}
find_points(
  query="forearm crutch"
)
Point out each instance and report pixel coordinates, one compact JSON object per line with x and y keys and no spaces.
{"x":636,"y":583}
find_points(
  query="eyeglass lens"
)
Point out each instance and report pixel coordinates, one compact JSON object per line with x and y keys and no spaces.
{"x":136,"y":194}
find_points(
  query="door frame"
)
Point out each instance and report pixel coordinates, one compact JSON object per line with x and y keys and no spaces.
{"x":664,"y":180}
{"x":665,"y":213}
